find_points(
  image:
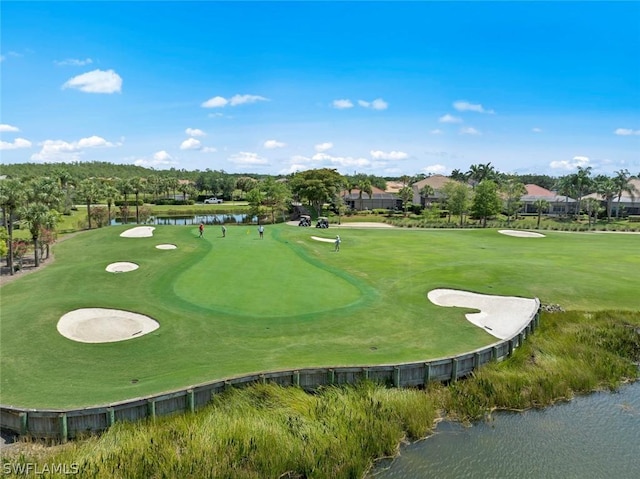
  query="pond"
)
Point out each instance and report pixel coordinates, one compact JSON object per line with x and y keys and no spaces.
{"x":592,"y":436}
{"x":192,"y":220}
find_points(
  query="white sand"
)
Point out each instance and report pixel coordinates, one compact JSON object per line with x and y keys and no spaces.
{"x":500,"y":316}
{"x":138,"y":232}
{"x":121,"y":267}
{"x":326,"y":240}
{"x":521,"y":234}
{"x":97,"y":325}
{"x":166,"y":246}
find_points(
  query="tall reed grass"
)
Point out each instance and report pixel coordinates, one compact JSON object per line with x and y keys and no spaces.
{"x":267,"y":431}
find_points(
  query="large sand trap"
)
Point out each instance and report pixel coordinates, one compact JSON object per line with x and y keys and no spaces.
{"x":97,"y":325}
{"x":521,"y":234}
{"x":138,"y":232}
{"x":166,"y":246}
{"x":501,"y":316}
{"x":121,"y":267}
{"x":326,"y":240}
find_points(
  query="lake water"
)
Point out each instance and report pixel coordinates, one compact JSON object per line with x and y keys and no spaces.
{"x":190,"y":219}
{"x":593,"y":436}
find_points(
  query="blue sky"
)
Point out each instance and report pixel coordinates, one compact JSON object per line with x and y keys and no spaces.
{"x":370,"y":87}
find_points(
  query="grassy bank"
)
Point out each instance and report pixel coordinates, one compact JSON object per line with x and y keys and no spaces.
{"x":272,"y":432}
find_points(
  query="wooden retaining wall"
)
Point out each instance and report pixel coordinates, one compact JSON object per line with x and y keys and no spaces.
{"x":60,"y":425}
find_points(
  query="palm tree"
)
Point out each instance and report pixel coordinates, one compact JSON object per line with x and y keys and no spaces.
{"x":606,"y":187}
{"x":593,"y":208}
{"x":621,"y":181}
{"x":110,"y":194}
{"x":541,"y":206}
{"x":514,"y":190}
{"x":406,"y":195}
{"x":89,"y":191}
{"x":137,"y":187}
{"x":564,"y":186}
{"x":12,"y":197}
{"x":37,"y":216}
{"x":425,"y":192}
{"x":581,"y":181}
{"x":364,"y":186}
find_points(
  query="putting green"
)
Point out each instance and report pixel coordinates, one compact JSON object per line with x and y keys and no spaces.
{"x":240,"y":282}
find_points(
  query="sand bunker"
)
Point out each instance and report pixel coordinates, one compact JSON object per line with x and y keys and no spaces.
{"x":500,"y":316}
{"x":326,"y":240}
{"x":121,"y":267}
{"x":521,"y":234}
{"x":97,"y":325}
{"x":138,"y":232}
{"x":166,"y":246}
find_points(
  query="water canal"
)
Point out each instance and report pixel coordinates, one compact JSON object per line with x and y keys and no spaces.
{"x":592,"y":436}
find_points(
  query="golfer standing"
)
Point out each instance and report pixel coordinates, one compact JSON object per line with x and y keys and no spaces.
{"x":261,"y":231}
{"x":337,"y":243}
{"x":224,"y":231}
{"x":201,"y":229}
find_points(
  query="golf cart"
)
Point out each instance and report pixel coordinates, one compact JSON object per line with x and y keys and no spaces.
{"x":323,"y":222}
{"x":305,"y":220}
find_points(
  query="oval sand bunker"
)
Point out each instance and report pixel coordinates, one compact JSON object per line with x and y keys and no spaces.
{"x":166,"y":246}
{"x":521,"y":234}
{"x":98,"y":325}
{"x":121,"y":267}
{"x":138,"y":232}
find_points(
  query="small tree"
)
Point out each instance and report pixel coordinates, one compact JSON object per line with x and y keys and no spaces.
{"x":406,"y":195}
{"x":458,"y":199}
{"x":486,"y":202}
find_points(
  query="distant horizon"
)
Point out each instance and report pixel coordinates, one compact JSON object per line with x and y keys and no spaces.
{"x":378,"y":88}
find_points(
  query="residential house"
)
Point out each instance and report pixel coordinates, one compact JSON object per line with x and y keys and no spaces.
{"x":558,"y":204}
{"x":378,"y":199}
{"x":436,"y":182}
{"x":629,"y":202}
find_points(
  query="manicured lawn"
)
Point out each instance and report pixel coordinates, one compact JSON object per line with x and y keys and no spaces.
{"x":234,"y":305}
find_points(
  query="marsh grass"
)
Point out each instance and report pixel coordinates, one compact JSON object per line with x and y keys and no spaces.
{"x":267,"y":431}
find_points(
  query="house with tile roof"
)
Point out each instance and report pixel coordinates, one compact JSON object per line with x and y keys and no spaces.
{"x":629,"y":203}
{"x":558,"y":204}
{"x":437,"y":183}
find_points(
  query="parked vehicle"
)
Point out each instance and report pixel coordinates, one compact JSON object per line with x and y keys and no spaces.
{"x":305,"y":220}
{"x":213,"y":201}
{"x":323,"y":222}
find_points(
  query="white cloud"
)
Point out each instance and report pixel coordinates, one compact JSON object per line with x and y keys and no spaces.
{"x":215,"y":102}
{"x":626,"y":132}
{"x":342,"y":104}
{"x":15,"y":144}
{"x":449,"y":119}
{"x":320,"y":147}
{"x":242,"y":99}
{"x":60,"y":150}
{"x":209,"y":149}
{"x":194,"y":132}
{"x":333,"y":161}
{"x":235,"y":100}
{"x":190,"y":144}
{"x":6,"y":128}
{"x":392,"y":155}
{"x":437,"y":131}
{"x":96,"y":81}
{"x":462,"y":105}
{"x":469,"y":131}
{"x":73,"y":62}
{"x":247,"y":158}
{"x":272,"y":144}
{"x":536,"y":130}
{"x":577,"y":161}
{"x":160,"y":158}
{"x":438,"y":169}
{"x":377,"y":104}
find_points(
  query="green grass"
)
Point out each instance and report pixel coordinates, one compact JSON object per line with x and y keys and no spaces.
{"x":239,"y":305}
